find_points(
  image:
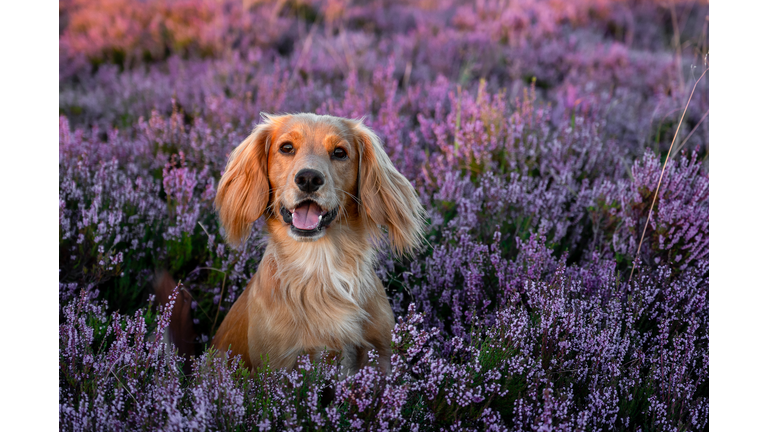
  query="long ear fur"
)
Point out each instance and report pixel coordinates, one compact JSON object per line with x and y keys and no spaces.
{"x":387,"y":197}
{"x":243,"y":193}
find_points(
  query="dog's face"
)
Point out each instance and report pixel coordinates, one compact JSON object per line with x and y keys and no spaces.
{"x":313,"y":170}
{"x":310,"y":173}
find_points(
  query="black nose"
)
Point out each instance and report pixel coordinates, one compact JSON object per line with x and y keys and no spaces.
{"x":309,"y":180}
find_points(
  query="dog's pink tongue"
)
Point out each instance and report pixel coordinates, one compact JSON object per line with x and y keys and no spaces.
{"x":306,"y":216}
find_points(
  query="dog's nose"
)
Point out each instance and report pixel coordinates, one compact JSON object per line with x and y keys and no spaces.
{"x":309,"y":180}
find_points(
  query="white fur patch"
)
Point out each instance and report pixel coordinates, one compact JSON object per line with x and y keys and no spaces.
{"x":313,"y":274}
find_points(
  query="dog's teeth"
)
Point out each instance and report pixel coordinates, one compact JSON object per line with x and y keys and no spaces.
{"x":320,"y":219}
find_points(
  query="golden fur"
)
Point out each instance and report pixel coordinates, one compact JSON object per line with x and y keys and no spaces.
{"x":316,"y":293}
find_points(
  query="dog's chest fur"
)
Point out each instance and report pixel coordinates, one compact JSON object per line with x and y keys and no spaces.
{"x":319,"y":296}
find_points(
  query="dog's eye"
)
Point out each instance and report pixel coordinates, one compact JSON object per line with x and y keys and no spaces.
{"x":339,"y":153}
{"x":286,"y":148}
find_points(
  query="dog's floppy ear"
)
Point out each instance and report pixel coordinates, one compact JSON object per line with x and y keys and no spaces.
{"x":243,"y":193}
{"x":387,"y":197}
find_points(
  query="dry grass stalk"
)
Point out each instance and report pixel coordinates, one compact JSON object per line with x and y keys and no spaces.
{"x":658,"y":186}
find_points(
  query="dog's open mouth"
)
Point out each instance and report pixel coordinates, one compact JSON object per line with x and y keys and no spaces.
{"x":308,"y":218}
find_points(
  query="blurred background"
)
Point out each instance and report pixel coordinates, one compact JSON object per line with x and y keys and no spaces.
{"x":633,"y":60}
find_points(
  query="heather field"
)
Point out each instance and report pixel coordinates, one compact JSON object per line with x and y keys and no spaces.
{"x":535,"y":133}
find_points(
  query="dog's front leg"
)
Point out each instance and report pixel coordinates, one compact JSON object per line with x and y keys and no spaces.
{"x":272,"y":338}
{"x":349,"y":360}
{"x":267,"y":347}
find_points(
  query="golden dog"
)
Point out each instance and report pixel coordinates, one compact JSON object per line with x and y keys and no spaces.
{"x":326,"y":188}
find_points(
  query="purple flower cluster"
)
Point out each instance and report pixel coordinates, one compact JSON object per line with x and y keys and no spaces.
{"x":534,"y":133}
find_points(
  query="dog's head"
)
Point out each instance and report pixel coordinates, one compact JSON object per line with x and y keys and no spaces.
{"x":308,"y":174}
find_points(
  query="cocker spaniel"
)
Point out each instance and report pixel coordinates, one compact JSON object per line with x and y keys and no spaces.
{"x":326,"y":188}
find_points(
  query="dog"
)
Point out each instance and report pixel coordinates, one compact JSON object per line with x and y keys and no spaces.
{"x":326,"y":188}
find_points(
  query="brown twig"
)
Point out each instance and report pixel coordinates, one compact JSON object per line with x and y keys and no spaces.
{"x":656,"y":193}
{"x":125,"y":387}
{"x":218,"y":307}
{"x":194,"y":299}
{"x":690,"y":134}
